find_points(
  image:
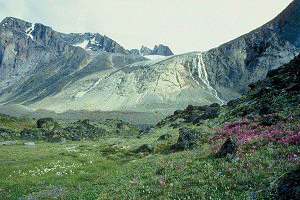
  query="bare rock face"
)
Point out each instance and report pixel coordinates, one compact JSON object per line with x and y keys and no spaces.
{"x":145,"y":51}
{"x":23,"y":48}
{"x":157,"y":50}
{"x":162,"y":50}
{"x":93,"y":41}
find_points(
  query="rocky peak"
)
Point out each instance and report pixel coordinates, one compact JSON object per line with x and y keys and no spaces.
{"x":94,"y":42}
{"x":145,"y":51}
{"x":14,"y":23}
{"x":162,"y":50}
{"x":157,"y":50}
{"x":287,"y":23}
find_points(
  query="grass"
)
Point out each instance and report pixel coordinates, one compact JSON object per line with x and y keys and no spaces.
{"x":108,"y":168}
{"x":14,"y":123}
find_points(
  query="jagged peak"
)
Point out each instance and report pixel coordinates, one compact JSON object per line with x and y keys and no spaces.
{"x":15,"y":23}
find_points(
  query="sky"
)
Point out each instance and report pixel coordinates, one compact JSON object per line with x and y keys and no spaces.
{"x":183,"y":25}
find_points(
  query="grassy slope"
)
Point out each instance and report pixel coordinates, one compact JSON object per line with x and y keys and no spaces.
{"x":265,"y":122}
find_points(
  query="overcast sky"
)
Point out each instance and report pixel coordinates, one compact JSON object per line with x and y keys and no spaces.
{"x":184,"y":25}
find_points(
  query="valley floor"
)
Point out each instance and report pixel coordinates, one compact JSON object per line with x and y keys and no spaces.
{"x":110,"y":167}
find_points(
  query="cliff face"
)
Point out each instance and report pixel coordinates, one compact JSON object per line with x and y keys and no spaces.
{"x":24,"y":47}
{"x":93,"y":41}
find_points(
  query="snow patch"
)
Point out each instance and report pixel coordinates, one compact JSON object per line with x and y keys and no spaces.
{"x":30,"y":30}
{"x":94,"y":42}
{"x":154,"y":57}
{"x":83,"y":44}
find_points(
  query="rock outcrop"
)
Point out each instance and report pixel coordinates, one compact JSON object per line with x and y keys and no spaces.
{"x":187,"y":139}
{"x":93,"y":41}
{"x":161,"y":50}
{"x":157,"y":50}
{"x":145,"y":51}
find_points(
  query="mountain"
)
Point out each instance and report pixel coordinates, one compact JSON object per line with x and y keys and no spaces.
{"x":94,"y":42}
{"x":36,"y":61}
{"x":162,"y":50}
{"x":53,"y":73}
{"x":157,"y":50}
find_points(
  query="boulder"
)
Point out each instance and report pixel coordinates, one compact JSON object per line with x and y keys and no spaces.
{"x":35,"y":134}
{"x":187,"y":139}
{"x":82,"y":130}
{"x":7,"y":133}
{"x":164,"y":137}
{"x":289,"y":186}
{"x":145,"y":148}
{"x":45,"y":123}
{"x":228,"y":149}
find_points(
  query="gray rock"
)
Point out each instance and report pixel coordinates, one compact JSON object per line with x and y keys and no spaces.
{"x":145,"y":148}
{"x":135,"y":52}
{"x":45,"y":123}
{"x":29,"y":143}
{"x":35,"y":134}
{"x":228,"y":149}
{"x":145,"y":51}
{"x":188,"y":138}
{"x":164,"y":137}
{"x":8,"y":133}
{"x":289,"y":186}
{"x":162,"y":50}
{"x":37,"y":62}
{"x":94,"y":42}
{"x":82,"y":130}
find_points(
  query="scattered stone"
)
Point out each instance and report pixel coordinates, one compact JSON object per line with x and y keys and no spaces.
{"x":123,"y":126}
{"x":145,"y":131}
{"x":82,"y":130}
{"x":164,"y":137}
{"x":45,"y":123}
{"x":29,"y":143}
{"x":35,"y":134}
{"x":215,"y":105}
{"x":228,"y":149}
{"x":8,"y":134}
{"x":187,"y":139}
{"x":145,"y":148}
{"x":289,"y":187}
{"x":8,"y":143}
{"x":212,"y":113}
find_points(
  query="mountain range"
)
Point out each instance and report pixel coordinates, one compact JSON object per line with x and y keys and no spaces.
{"x":44,"y":69}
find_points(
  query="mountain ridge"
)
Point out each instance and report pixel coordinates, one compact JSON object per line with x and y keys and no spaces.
{"x":167,"y":84}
